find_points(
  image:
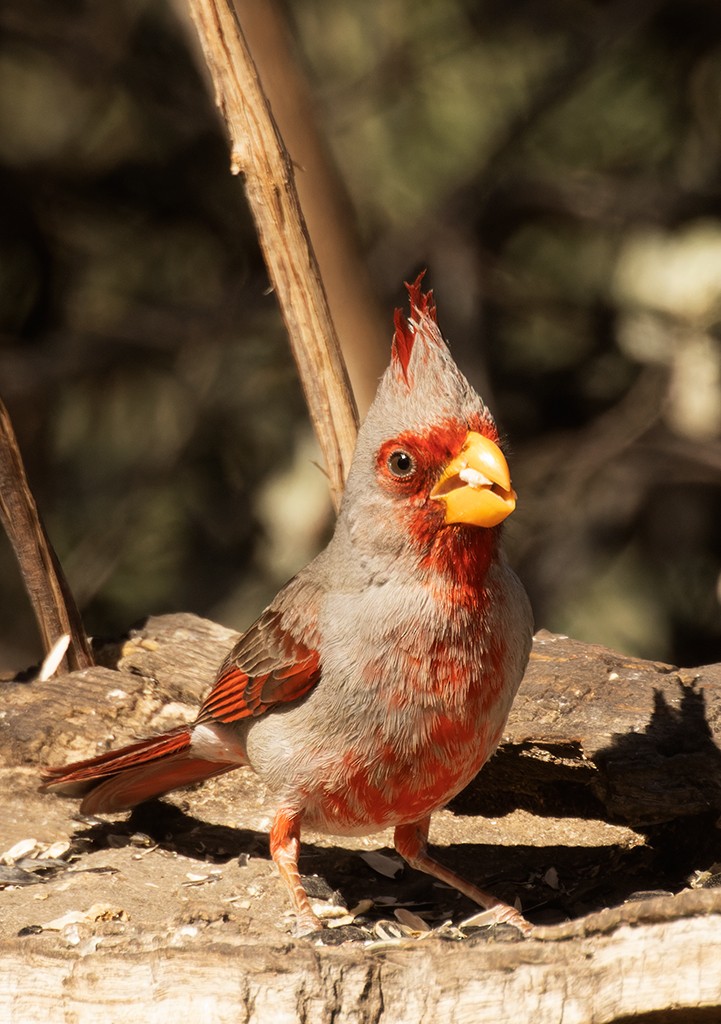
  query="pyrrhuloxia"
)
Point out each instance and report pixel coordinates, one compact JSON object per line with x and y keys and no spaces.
{"x":378,"y":682}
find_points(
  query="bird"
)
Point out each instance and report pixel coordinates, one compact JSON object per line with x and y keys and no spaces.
{"x":377,"y":683}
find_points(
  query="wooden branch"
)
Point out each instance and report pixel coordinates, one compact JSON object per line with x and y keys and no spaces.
{"x":362,"y":328}
{"x":259,"y":153}
{"x":52,"y":601}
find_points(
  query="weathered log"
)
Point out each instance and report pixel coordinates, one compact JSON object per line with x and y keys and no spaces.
{"x":168,"y":922}
{"x":666,"y":967}
{"x":610,"y":735}
{"x":592,"y":731}
{"x":158,"y":676}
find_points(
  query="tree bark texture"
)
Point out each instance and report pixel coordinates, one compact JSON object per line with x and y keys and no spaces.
{"x":666,"y":966}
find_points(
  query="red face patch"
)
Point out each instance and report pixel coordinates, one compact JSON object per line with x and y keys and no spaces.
{"x":410,"y":464}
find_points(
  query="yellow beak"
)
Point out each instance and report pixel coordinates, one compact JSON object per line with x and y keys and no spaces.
{"x":476,"y":485}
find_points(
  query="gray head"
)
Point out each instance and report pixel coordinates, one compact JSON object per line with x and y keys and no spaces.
{"x":427,"y":451}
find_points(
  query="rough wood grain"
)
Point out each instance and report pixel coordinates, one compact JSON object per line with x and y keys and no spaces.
{"x":668,"y":966}
{"x":636,"y":741}
{"x":159,"y":675}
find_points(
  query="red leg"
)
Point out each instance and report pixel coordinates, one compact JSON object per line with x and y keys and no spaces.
{"x":411,"y":842}
{"x":284,"y":849}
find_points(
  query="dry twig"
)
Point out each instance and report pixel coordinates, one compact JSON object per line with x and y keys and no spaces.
{"x":259,"y":153}
{"x":363,"y":328}
{"x":52,"y":601}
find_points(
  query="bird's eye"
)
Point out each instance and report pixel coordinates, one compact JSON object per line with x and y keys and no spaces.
{"x":401,"y":464}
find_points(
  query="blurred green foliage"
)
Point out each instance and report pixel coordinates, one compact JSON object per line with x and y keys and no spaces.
{"x":556,"y":164}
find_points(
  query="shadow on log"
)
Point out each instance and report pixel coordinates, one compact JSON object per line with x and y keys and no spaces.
{"x":605,"y":735}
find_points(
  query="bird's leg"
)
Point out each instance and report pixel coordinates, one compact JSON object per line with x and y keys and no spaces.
{"x":285,"y":849}
{"x":411,"y":842}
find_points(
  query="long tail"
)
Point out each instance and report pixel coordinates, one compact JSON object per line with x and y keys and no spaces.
{"x":123,"y":778}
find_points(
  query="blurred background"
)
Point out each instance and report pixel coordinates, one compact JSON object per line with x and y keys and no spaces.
{"x":556,"y":164}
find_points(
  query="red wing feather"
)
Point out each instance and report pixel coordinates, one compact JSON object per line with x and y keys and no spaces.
{"x":267,"y":667}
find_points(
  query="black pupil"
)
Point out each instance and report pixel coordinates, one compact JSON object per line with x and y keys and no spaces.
{"x":401,"y":463}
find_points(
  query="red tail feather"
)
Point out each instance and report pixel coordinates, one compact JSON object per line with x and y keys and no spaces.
{"x":123,"y":778}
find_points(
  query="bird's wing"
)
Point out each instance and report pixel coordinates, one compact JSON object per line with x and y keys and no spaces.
{"x":268,"y":666}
